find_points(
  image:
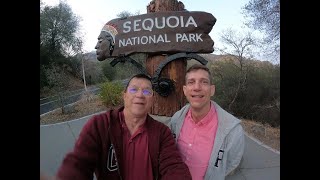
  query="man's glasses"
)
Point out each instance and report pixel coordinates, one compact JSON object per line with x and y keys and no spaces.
{"x":145,"y":92}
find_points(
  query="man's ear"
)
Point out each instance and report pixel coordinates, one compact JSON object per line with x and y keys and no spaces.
{"x":212,"y":89}
{"x":184,"y":88}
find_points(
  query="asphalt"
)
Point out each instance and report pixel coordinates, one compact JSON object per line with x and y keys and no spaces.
{"x":259,"y":161}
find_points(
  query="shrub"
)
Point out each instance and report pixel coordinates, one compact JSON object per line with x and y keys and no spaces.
{"x":111,"y":93}
{"x":259,"y":96}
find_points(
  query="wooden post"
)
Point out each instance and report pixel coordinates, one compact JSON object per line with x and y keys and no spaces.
{"x":175,"y":70}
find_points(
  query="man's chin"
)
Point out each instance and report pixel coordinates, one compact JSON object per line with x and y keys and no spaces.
{"x":196,"y":105}
{"x":138,"y":112}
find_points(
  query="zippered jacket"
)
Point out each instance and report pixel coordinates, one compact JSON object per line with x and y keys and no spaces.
{"x":228,"y":146}
{"x":99,"y":150}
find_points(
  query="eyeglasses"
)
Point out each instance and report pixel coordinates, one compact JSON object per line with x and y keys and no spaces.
{"x":145,"y":92}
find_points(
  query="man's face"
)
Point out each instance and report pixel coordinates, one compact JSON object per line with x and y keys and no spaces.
{"x":103,"y":46}
{"x":138,"y":97}
{"x":198,"y":89}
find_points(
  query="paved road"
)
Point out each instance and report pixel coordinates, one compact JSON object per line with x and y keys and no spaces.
{"x":260,"y":162}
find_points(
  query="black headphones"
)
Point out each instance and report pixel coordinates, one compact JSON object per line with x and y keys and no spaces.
{"x":163,"y":86}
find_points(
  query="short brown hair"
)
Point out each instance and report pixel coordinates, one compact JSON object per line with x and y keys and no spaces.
{"x":139,"y":76}
{"x":197,"y":67}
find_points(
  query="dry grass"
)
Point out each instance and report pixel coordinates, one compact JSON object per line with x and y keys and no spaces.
{"x":80,"y":109}
{"x":264,"y":133}
{"x":90,"y":104}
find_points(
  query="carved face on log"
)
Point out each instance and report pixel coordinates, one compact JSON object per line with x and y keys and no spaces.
{"x":105,"y":45}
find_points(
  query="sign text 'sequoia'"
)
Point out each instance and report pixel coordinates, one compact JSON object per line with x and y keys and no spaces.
{"x":149,"y":24}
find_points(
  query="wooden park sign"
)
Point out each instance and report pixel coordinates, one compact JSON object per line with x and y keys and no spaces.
{"x":169,"y":35}
{"x":161,"y":32}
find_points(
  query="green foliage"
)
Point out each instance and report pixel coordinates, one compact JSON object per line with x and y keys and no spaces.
{"x":75,"y":66}
{"x":225,"y":78}
{"x":59,"y":81}
{"x":125,"y":14}
{"x":93,"y":72}
{"x":111,"y":93}
{"x":263,"y":92}
{"x":124,"y":71}
{"x":59,"y":37}
{"x":108,"y":71}
{"x":59,"y":29}
{"x":258,"y":98}
{"x":43,"y":78}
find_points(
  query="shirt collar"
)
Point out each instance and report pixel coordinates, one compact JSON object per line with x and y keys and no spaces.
{"x":206,"y":119}
{"x":141,"y":129}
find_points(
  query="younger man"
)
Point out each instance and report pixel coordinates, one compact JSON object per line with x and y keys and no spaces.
{"x":210,"y":140}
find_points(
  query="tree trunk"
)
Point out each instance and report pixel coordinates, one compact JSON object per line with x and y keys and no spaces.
{"x":175,"y":70}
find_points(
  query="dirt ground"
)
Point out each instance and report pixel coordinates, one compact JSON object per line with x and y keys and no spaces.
{"x":266,"y":134}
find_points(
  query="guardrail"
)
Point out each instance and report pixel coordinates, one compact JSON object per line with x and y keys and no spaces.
{"x":50,"y":103}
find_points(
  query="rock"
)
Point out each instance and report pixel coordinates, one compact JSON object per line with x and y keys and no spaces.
{"x":259,"y":129}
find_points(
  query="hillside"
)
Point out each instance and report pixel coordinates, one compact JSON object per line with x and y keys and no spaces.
{"x":74,"y":84}
{"x":91,"y":68}
{"x":265,"y":133}
{"x":210,"y":57}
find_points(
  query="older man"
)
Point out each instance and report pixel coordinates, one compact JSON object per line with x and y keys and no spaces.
{"x":125,"y":143}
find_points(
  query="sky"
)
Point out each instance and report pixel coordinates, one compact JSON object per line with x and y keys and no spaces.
{"x":95,"y":13}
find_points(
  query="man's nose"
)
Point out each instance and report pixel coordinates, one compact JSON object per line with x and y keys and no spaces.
{"x":139,"y":93}
{"x":197,"y":85}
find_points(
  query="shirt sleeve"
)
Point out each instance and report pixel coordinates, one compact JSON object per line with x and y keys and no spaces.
{"x":81,"y":162}
{"x":235,"y":153}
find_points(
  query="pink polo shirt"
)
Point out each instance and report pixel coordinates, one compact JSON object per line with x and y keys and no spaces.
{"x":195,"y":142}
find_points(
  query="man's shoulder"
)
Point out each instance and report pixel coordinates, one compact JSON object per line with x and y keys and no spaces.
{"x":225,"y":113}
{"x":155,"y":122}
{"x":155,"y":125}
{"x":182,"y":111}
{"x":102,"y":117}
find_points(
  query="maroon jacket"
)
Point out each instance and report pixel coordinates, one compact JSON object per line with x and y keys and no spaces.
{"x":99,"y":149}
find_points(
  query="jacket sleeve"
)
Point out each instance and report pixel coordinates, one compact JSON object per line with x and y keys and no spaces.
{"x":172,"y":127}
{"x":81,"y":162}
{"x":171,"y":166}
{"x":235,"y":153}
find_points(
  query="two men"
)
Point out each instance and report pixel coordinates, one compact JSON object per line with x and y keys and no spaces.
{"x":126,"y":143}
{"x":210,"y":140}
